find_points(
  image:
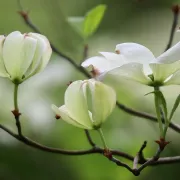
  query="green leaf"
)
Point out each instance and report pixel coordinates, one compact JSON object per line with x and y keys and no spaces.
{"x":88,"y":24}
{"x":93,"y":19}
{"x":77,"y":23}
{"x":162,"y":103}
{"x":176,"y":104}
{"x":152,"y":92}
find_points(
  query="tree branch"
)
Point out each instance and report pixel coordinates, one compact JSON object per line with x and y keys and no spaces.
{"x":89,"y":138}
{"x":85,"y":52}
{"x":175,"y":10}
{"x":119,"y":163}
{"x":133,"y":112}
{"x":150,"y":161}
{"x":139,"y":158}
{"x":36,"y":145}
{"x":95,"y":150}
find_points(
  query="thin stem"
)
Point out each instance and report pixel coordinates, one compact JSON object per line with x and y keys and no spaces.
{"x":16,"y":97}
{"x":150,"y":161}
{"x":19,"y":4}
{"x":175,"y":10}
{"x":166,"y":123}
{"x":102,"y":138}
{"x":16,"y":109}
{"x":85,"y":52}
{"x":158,"y":111}
{"x":119,"y":163}
{"x":166,"y":128}
{"x":139,"y":158}
{"x":144,"y":115}
{"x":89,"y":138}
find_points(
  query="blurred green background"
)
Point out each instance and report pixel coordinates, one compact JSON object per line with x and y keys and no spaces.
{"x":147,"y":22}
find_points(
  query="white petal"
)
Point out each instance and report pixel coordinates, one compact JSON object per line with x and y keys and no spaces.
{"x":115,"y":60}
{"x":162,"y":71}
{"x":101,"y":64}
{"x":171,"y":55}
{"x":130,"y":71}
{"x":64,"y":114}
{"x":47,"y":50}
{"x":76,"y":103}
{"x":134,"y":52}
{"x":18,"y":52}
{"x":106,"y":63}
{"x":43,"y":52}
{"x":3,"y":72}
{"x":103,"y":101}
{"x":45,"y":58}
{"x":41,"y":47}
{"x":12,"y":51}
{"x":27,"y":54}
{"x":174,"y":79}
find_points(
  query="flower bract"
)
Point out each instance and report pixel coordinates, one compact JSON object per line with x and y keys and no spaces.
{"x":87,"y":104}
{"x":135,"y":62}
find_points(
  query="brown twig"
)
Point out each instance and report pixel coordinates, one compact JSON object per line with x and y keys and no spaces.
{"x":18,"y":124}
{"x":175,"y":10}
{"x":31,"y":143}
{"x":119,"y":163}
{"x":16,"y":112}
{"x":85,"y":52}
{"x":139,"y":158}
{"x":150,"y":161}
{"x":133,"y":112}
{"x":97,"y":150}
{"x":89,"y":138}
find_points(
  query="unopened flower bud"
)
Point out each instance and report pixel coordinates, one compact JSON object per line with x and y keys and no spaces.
{"x":87,"y":104}
{"x":23,"y":55}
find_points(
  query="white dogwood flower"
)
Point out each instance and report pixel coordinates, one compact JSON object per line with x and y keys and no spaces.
{"x":23,"y":55}
{"x":87,"y":104}
{"x":136,"y":62}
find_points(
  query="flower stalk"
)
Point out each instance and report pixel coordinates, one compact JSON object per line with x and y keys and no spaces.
{"x":102,"y":138}
{"x":158,"y":111}
{"x":16,"y":108}
{"x":16,"y":112}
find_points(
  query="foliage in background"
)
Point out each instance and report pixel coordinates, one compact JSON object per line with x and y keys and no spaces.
{"x":146,"y":22}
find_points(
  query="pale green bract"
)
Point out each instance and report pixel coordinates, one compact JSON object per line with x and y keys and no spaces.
{"x":87,"y":25}
{"x":23,"y":55}
{"x":87,"y":105}
{"x":135,"y":62}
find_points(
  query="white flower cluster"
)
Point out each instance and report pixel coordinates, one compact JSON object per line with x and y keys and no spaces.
{"x":88,"y":103}
{"x":131,"y":61}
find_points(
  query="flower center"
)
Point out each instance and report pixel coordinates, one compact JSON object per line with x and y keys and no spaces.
{"x":154,"y":83}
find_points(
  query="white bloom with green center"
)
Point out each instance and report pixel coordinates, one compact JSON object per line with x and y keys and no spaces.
{"x":87,"y":104}
{"x":136,"y":62}
{"x":23,"y":55}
